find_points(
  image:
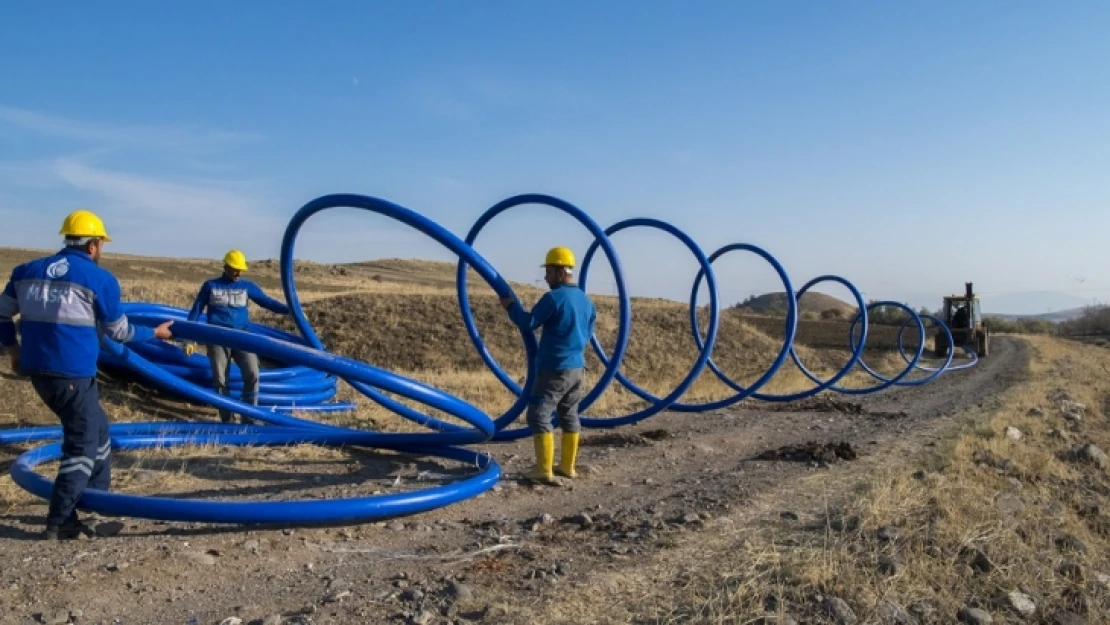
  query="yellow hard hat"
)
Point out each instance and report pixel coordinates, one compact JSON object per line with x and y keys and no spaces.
{"x":236,"y":260}
{"x":83,"y":223}
{"x":560,"y":256}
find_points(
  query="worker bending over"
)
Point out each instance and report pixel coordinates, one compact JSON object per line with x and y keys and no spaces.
{"x":567,"y":316}
{"x":65,"y":302}
{"x":226,"y":299}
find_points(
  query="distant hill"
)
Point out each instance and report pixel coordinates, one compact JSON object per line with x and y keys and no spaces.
{"x":775,"y":303}
{"x":1060,"y":315}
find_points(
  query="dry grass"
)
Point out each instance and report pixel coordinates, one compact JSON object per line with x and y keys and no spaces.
{"x":402,"y":316}
{"x":983,"y":517}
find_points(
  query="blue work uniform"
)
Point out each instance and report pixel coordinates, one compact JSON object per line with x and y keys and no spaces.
{"x":567,"y":317}
{"x":226,"y":301}
{"x":67,"y":303}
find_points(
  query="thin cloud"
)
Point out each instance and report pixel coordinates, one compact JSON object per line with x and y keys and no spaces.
{"x":157,"y":137}
{"x":163,"y":216}
{"x":202,"y":218}
{"x":150,"y":194}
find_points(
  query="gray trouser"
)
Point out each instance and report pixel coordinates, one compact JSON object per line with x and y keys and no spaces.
{"x":220,"y":358}
{"x":556,"y":391}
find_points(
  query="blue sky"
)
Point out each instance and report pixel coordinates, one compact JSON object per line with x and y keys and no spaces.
{"x":908,"y":146}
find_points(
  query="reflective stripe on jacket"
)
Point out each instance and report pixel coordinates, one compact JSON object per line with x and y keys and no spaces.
{"x":226,"y":301}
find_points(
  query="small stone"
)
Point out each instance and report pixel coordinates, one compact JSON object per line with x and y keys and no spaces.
{"x":412,"y":594}
{"x":251,"y":545}
{"x":923,"y":610}
{"x":199,"y":558}
{"x":891,"y":614}
{"x":1069,"y":405}
{"x":1068,"y":543}
{"x":462,"y":592}
{"x":690,"y":517}
{"x":583,"y":519}
{"x":273,"y":619}
{"x":888,"y":565}
{"x":789,"y":516}
{"x":547,"y":519}
{"x":1013,"y":433}
{"x":974,"y":616}
{"x":58,"y":618}
{"x":887,"y":534}
{"x":1068,"y":618}
{"x":336,"y":596}
{"x":143,"y":476}
{"x":396,"y":526}
{"x":1070,"y":570}
{"x":1103,"y":579}
{"x":288,"y":531}
{"x":1036,"y":412}
{"x":1022,"y":603}
{"x":232,"y":620}
{"x":422,"y":617}
{"x":1092,"y":454}
{"x":839,"y":610}
{"x":980,"y":562}
{"x":108,"y":529}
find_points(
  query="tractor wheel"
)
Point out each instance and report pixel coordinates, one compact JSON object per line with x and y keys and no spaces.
{"x":984,"y":344}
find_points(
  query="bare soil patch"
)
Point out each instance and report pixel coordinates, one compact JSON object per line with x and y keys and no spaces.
{"x":657,"y":505}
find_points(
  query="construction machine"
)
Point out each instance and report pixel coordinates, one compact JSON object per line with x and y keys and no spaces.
{"x":964,"y":318}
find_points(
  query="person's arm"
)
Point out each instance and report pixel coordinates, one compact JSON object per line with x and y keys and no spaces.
{"x":200,"y":303}
{"x":541,"y":312}
{"x":258,"y":296}
{"x":9,"y":308}
{"x":114,"y":324}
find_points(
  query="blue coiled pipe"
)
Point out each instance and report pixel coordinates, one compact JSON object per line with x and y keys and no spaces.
{"x":309,"y":379}
{"x":285,"y":389}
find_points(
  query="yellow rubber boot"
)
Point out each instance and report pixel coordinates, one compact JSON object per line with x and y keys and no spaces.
{"x":545,"y":456}
{"x":569,"y":452}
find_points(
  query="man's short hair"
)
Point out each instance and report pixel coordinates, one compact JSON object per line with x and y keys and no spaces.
{"x":80,"y":241}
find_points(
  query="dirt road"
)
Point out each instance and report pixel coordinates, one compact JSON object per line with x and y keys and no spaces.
{"x":490,"y":559}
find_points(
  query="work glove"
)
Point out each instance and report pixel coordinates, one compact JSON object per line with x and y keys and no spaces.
{"x":189,"y":349}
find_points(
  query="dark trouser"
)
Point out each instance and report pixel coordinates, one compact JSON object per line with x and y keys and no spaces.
{"x":220,"y":358}
{"x":556,"y":391}
{"x":86,"y":449}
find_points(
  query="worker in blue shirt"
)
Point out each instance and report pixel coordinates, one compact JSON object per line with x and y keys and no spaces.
{"x":226,"y":299}
{"x":567,"y":316}
{"x":66,"y":302}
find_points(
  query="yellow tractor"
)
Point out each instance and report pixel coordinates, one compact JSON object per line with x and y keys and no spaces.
{"x":964,"y":319}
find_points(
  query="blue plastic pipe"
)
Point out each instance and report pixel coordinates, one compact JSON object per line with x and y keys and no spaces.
{"x":307,"y":377}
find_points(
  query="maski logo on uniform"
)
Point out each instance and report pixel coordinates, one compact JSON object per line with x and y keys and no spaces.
{"x":58,"y":268}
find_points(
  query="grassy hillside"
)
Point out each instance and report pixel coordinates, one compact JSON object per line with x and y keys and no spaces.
{"x":811,"y":303}
{"x":403,"y":315}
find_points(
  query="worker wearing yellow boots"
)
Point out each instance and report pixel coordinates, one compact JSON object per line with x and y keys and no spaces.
{"x":567,"y":316}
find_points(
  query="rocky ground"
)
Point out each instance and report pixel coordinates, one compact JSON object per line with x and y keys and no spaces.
{"x":645,"y":492}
